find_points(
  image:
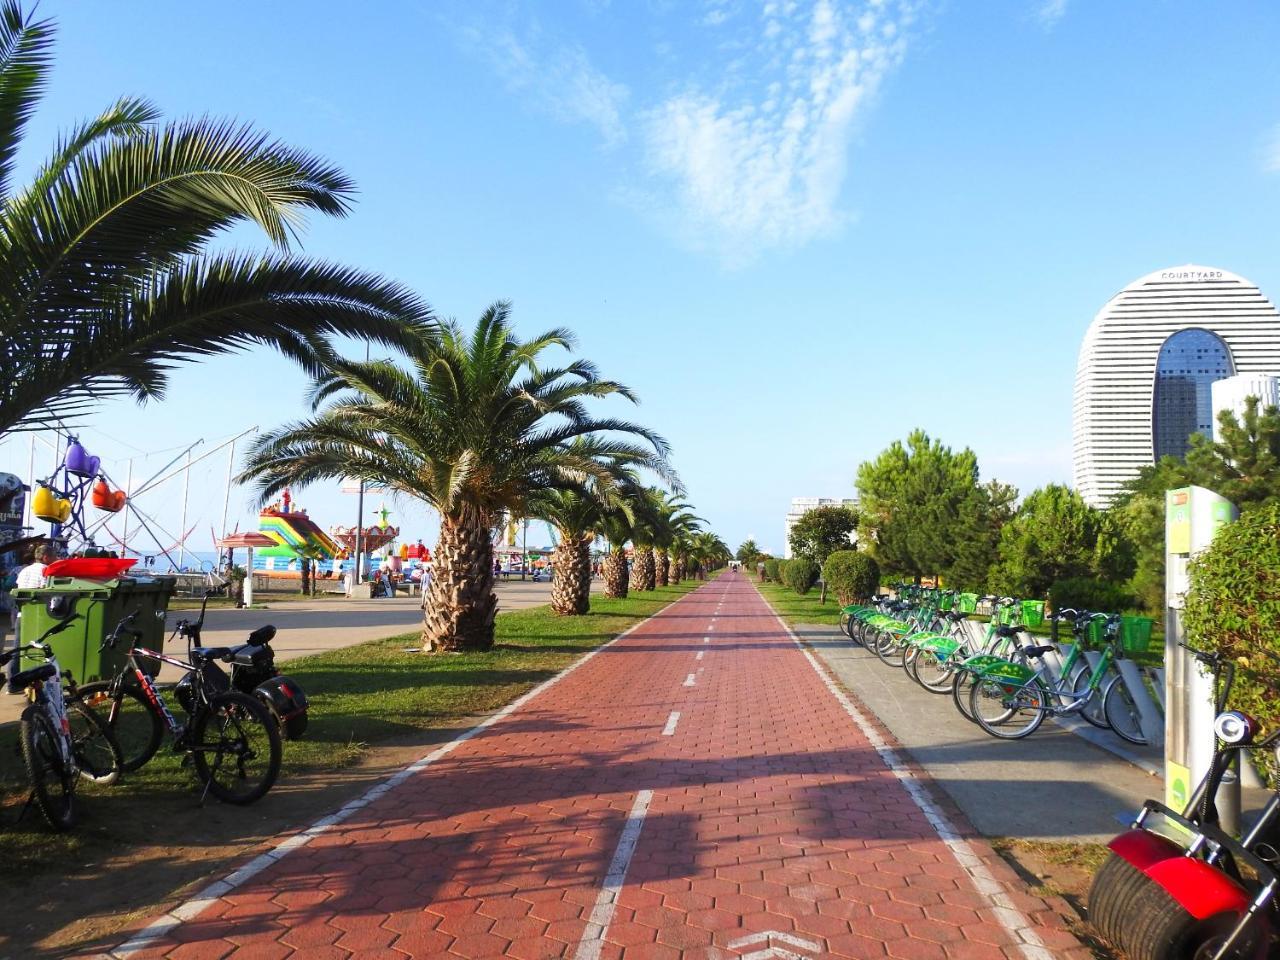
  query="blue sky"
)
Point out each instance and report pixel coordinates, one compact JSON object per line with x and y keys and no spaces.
{"x":797,"y":229}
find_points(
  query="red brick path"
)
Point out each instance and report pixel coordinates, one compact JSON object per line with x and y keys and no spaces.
{"x":770,"y":811}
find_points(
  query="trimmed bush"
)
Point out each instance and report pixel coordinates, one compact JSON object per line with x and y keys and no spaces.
{"x":851,"y":575}
{"x":1086,"y":593}
{"x":800,"y":575}
{"x":1233,"y":607}
{"x":771,"y":570}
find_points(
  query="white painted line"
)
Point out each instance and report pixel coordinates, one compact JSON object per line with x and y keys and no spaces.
{"x":701,"y":654}
{"x":706,"y":639}
{"x":1014,"y":921}
{"x":672,"y":720}
{"x":690,"y":680}
{"x":602,"y":913}
{"x":166,"y":923}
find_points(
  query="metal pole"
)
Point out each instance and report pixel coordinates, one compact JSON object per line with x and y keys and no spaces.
{"x":524,"y":549}
{"x":128,"y":487}
{"x":226,"y":498}
{"x":31,"y":479}
{"x":357,"y":576}
{"x":186,"y":487}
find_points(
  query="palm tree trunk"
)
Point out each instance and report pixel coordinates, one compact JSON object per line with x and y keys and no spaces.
{"x":570,"y":592}
{"x":662,"y":566}
{"x":682,"y":567}
{"x":304,"y":564}
{"x":645,"y":574}
{"x":616,"y":575}
{"x":461,"y":603}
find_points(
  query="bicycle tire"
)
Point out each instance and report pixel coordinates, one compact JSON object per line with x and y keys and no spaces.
{"x":1009,"y":723}
{"x":1122,"y":712}
{"x":96,"y":751}
{"x":238,"y":712}
{"x":132,"y":719}
{"x":960,"y":688}
{"x":1093,"y":711}
{"x":886,"y":647}
{"x":933,"y":674}
{"x":41,"y":757}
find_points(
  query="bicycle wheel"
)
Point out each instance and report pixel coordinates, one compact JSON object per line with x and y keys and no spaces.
{"x":887,"y":647}
{"x":136,"y":726}
{"x":961,"y":685}
{"x":933,"y":674}
{"x":1122,"y":712}
{"x":235,"y":744}
{"x":1008,"y":710}
{"x":53,"y":785}
{"x":1092,"y":711}
{"x":95,"y":749}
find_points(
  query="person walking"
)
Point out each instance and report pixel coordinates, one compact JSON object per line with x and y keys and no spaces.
{"x":31,"y":576}
{"x":426,"y":585}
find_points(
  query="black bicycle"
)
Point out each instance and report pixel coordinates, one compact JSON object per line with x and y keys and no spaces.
{"x":61,"y":738}
{"x":232,"y":740}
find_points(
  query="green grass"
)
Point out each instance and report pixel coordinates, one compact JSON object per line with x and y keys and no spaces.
{"x":795,"y":609}
{"x":361,"y":696}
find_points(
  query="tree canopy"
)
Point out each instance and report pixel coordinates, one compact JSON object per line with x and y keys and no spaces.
{"x":822,"y":531}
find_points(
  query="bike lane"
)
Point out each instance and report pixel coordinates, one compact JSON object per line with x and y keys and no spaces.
{"x":697,"y":789}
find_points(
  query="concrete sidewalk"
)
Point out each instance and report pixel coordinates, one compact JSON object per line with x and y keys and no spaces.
{"x":1051,"y":786}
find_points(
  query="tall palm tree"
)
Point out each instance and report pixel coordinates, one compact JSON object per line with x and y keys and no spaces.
{"x":629,"y":513}
{"x":105,"y":280}
{"x":578,"y":514}
{"x":674,"y":520}
{"x":708,"y":552}
{"x":476,"y":426}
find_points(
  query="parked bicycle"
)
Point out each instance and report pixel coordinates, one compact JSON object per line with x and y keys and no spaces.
{"x":232,"y":740}
{"x":61,"y":739}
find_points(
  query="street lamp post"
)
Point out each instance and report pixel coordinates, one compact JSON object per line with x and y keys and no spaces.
{"x":524,"y":557}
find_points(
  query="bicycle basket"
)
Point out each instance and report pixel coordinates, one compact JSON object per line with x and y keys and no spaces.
{"x":967,"y":602}
{"x":1033,"y":612}
{"x":946,"y":601}
{"x":1096,"y":632}
{"x":1135,"y":634}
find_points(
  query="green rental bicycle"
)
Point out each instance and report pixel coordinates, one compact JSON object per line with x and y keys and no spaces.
{"x":1010,"y":699}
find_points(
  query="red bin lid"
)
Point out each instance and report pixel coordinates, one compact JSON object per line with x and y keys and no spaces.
{"x":89,"y":568}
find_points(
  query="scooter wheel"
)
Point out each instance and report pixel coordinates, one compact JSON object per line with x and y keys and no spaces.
{"x":1137,"y":915}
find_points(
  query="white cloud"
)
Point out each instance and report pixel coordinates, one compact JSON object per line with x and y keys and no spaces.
{"x":560,"y":80}
{"x":1050,"y":12}
{"x":762,"y":167}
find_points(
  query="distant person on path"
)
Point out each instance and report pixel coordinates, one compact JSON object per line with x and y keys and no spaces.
{"x":31,"y":576}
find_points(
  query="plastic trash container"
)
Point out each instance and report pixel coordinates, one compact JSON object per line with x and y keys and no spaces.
{"x":101,"y":605}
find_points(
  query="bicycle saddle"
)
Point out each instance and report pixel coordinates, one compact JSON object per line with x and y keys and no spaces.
{"x":20,"y":681}
{"x":955,"y":616}
{"x":1003,"y":631}
{"x":262,"y":635}
{"x":1039,"y":651}
{"x":204,"y":654}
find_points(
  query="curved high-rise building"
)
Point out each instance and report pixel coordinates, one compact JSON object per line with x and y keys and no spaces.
{"x":1146,"y":365}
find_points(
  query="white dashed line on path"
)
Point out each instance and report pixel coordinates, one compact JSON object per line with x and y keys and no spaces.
{"x":672,"y":720}
{"x":701,"y":654}
{"x":592,"y":941}
{"x":690,"y":679}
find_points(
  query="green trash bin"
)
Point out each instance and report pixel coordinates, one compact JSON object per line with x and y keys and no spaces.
{"x":101,"y":605}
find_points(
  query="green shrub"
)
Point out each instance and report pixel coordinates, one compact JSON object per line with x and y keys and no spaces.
{"x":851,"y":575}
{"x":800,"y":574}
{"x":771,"y":570}
{"x":1087,"y":593}
{"x":1233,"y":606}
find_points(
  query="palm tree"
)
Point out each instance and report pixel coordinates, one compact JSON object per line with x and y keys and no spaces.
{"x":708,"y":552}
{"x":578,"y":514}
{"x":477,"y":426}
{"x":674,"y":521}
{"x":105,"y":280}
{"x":630,"y":513}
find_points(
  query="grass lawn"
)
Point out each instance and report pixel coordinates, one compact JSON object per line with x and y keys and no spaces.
{"x":794,"y":608}
{"x":361,"y":696}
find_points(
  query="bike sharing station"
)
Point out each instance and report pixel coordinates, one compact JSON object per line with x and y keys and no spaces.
{"x":1188,"y":881}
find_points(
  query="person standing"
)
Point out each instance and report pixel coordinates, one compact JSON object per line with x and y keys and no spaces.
{"x":426,"y":585}
{"x":32,"y":575}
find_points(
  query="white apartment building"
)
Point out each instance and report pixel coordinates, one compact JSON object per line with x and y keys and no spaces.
{"x":1147,"y":365}
{"x":802,"y":505}
{"x":1231,"y":393}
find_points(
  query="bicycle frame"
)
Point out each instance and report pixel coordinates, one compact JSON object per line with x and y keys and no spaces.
{"x":149,"y":687}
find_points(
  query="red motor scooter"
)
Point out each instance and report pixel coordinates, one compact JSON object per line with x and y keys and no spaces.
{"x":1176,"y":886}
